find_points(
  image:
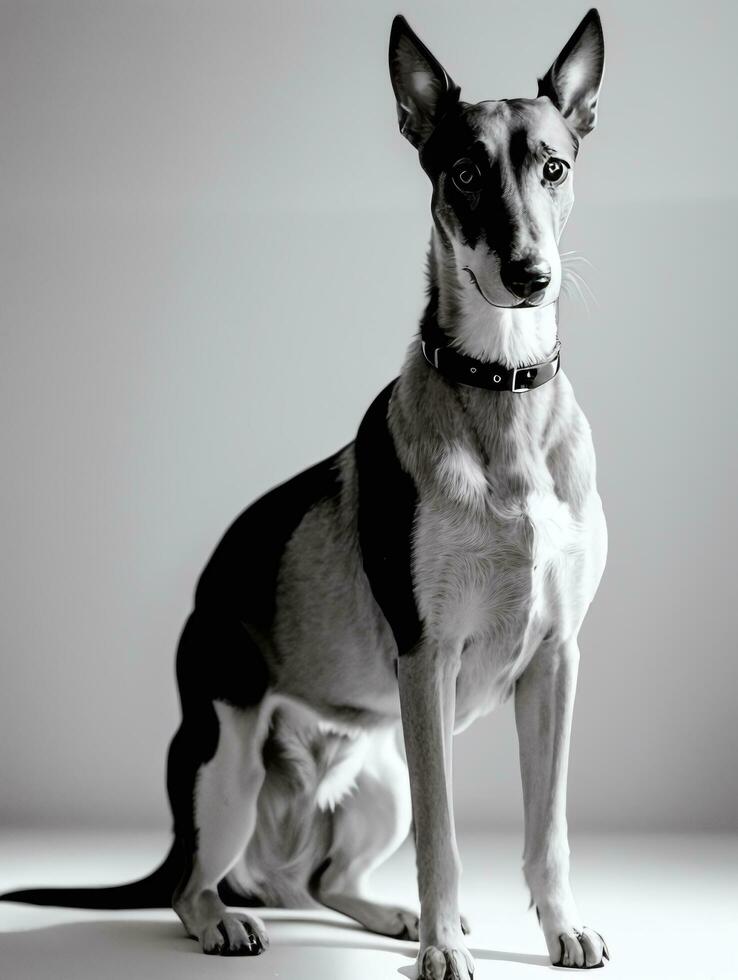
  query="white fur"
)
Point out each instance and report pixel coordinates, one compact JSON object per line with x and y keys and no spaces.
{"x":509,"y":336}
{"x":341,"y":777}
{"x":462,"y":475}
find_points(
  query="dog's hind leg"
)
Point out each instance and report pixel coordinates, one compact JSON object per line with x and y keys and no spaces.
{"x":544,"y":701}
{"x":369,"y":824}
{"x":214,"y":776}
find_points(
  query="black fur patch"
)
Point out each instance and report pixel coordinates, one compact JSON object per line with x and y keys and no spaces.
{"x":219,"y":657}
{"x":240,"y":580}
{"x":387,"y":503}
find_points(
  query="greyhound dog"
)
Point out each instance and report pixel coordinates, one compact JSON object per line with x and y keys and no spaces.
{"x":438,"y":564}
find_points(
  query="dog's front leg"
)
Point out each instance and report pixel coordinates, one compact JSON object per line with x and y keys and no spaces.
{"x":427,"y":678}
{"x":544,"y":701}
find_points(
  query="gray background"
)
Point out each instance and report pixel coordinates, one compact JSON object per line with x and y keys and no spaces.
{"x":212,"y":250}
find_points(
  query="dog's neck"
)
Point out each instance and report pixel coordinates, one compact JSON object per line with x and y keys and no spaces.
{"x":480,"y":419}
{"x":508,"y":336}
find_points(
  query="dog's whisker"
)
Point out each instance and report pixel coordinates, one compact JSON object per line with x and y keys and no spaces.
{"x":584,"y":284}
{"x":583,"y":295}
{"x":576,"y":289}
{"x":579,"y":283}
{"x":570,"y":257}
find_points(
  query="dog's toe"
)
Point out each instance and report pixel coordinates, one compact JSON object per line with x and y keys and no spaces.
{"x":445,"y":964}
{"x":585,"y":950}
{"x":233,"y":936}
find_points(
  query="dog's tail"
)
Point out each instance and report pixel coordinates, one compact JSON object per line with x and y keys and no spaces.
{"x":152,"y":892}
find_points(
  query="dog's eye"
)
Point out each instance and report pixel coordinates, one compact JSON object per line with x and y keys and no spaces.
{"x":555,"y":171}
{"x":466,"y":175}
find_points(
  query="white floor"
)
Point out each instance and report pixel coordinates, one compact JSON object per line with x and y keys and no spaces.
{"x":668,"y":907}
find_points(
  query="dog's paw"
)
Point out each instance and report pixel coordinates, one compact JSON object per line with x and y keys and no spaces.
{"x":234,"y":934}
{"x":445,"y":963}
{"x":581,"y":950}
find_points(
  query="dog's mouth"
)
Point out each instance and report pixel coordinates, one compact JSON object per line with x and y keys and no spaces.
{"x":532,"y":301}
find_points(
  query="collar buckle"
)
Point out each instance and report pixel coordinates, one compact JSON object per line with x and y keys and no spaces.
{"x":513,"y":381}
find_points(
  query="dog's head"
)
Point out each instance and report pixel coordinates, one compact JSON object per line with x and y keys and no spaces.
{"x":501,"y":171}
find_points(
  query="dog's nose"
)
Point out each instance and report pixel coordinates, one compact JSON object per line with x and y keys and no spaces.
{"x":524,"y":278}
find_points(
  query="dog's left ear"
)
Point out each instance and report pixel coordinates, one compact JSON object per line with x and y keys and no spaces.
{"x":423,"y":89}
{"x":573,"y":80}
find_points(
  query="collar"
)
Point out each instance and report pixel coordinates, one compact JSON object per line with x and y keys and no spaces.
{"x":465,"y":370}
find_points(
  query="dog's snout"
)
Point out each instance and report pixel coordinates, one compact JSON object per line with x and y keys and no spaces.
{"x":526,"y":277}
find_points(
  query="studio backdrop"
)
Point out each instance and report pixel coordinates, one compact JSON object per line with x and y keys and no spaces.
{"x":213,"y":238}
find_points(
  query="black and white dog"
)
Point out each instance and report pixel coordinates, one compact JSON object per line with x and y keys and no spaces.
{"x":438,"y":564}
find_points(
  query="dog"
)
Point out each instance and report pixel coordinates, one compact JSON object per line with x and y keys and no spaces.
{"x":440,"y":563}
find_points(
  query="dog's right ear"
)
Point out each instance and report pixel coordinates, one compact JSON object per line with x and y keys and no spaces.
{"x":423,"y":89}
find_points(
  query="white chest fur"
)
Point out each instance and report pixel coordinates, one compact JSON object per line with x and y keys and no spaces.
{"x":501,"y":564}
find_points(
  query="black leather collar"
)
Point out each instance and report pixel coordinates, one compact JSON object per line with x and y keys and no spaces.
{"x":465,"y":370}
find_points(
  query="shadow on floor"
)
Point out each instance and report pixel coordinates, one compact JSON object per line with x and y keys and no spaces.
{"x":121,"y":949}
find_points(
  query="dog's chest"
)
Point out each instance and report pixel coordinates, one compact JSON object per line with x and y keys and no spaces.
{"x":499,"y":561}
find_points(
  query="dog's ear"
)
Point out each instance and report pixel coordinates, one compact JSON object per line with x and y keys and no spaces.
{"x":573,"y":80}
{"x":423,"y":89}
